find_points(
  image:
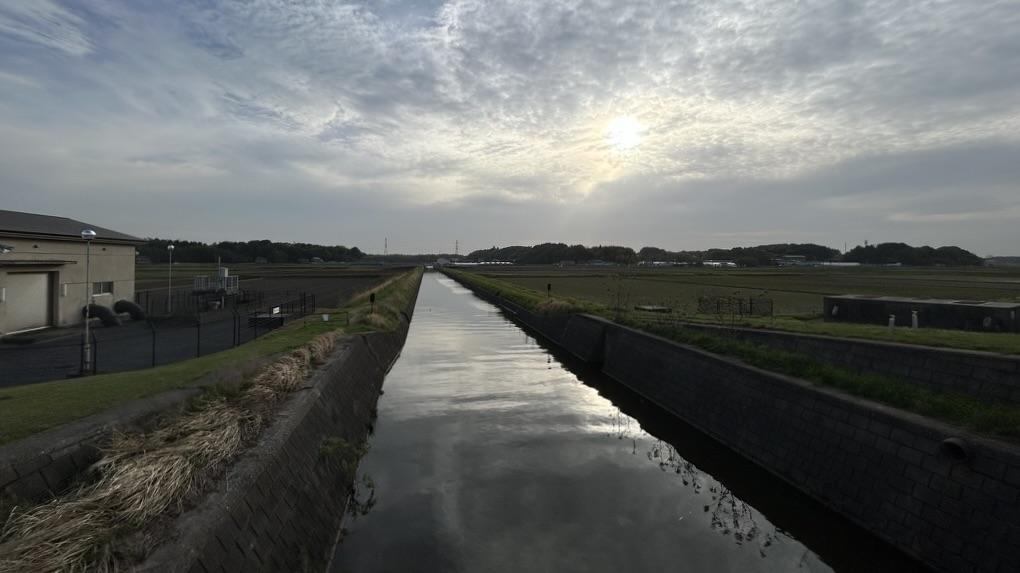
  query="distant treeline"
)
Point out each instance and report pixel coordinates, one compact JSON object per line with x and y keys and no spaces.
{"x":555,"y":253}
{"x":762,"y":255}
{"x":253,"y":251}
{"x":893,"y":253}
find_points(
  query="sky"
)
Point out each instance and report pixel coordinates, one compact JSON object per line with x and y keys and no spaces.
{"x":425,"y":126}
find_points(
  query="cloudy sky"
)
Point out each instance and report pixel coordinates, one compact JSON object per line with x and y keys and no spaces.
{"x":683,"y":124}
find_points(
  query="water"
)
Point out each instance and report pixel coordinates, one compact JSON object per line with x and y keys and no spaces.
{"x":490,"y":454}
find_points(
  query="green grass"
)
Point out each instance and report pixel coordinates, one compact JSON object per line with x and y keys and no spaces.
{"x":27,"y":410}
{"x":957,"y":409}
{"x":796,"y":295}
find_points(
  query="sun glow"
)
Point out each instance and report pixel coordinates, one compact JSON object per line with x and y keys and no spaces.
{"x":624,"y":133}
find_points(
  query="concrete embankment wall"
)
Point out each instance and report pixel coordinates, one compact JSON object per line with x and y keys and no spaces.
{"x":282,"y":505}
{"x":954,"y":505}
{"x":983,"y":375}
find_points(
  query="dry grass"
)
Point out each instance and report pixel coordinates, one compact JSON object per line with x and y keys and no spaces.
{"x":551,"y":306}
{"x":142,"y":478}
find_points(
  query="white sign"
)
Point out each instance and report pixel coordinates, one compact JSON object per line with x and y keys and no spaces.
{"x":276,"y":310}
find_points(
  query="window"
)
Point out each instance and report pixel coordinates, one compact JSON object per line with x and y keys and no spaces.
{"x":102,"y":288}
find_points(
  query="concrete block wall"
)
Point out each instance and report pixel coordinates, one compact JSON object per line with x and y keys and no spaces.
{"x":983,"y":375}
{"x":885,"y":469}
{"x":282,"y":505}
{"x":949,"y":499}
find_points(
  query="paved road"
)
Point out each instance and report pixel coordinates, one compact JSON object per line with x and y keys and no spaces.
{"x":133,"y":346}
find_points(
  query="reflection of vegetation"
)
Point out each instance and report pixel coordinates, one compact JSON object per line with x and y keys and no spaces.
{"x":729,"y":514}
{"x":361,"y":498}
{"x":355,"y":505}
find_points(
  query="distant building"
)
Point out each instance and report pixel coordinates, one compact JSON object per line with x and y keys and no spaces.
{"x":791,"y":260}
{"x":42,"y":270}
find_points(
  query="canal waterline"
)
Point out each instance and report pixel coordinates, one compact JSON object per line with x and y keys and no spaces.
{"x":490,"y":454}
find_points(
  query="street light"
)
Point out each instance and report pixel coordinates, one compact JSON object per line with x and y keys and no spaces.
{"x":169,"y":278}
{"x":87,"y":235}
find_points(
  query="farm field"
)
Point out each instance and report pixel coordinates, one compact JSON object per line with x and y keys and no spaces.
{"x":793,"y":291}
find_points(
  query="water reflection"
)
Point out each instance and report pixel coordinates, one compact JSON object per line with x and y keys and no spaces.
{"x":491,"y":454}
{"x":729,"y":514}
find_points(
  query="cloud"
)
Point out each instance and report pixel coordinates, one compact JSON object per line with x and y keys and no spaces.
{"x":807,"y":116}
{"x":45,"y":24}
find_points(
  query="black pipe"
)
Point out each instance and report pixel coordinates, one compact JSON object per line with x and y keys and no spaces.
{"x":105,"y":315}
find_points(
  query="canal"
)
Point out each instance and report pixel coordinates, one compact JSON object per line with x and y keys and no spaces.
{"x":493,"y":453}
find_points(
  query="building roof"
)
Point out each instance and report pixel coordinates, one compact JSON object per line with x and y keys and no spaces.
{"x":14,"y":223}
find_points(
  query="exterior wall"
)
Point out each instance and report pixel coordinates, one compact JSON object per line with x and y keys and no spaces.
{"x":108,"y":262}
{"x":960,"y":314}
{"x":946,"y":497}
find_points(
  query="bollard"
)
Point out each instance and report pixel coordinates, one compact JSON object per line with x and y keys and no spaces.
{"x":892,"y":321}
{"x":913,"y":319}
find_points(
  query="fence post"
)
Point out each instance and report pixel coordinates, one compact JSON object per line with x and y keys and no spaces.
{"x":236,"y":330}
{"x":153,"y":328}
{"x":198,"y":335}
{"x":95,"y":352}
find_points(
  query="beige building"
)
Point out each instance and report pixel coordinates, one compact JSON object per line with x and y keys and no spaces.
{"x":43,"y":270}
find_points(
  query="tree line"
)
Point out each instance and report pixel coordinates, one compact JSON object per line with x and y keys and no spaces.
{"x":761,"y":255}
{"x":231,"y":252}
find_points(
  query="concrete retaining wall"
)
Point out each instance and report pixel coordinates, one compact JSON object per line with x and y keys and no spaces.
{"x":983,"y":375}
{"x":282,"y":505}
{"x":954,"y":505}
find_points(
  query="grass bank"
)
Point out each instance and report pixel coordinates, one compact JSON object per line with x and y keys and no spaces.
{"x":960,"y":410}
{"x":27,"y":410}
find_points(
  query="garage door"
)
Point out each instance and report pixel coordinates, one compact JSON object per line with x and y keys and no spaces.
{"x":28,"y":301}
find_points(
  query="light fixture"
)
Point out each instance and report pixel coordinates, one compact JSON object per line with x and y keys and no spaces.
{"x":169,"y":278}
{"x":86,"y":369}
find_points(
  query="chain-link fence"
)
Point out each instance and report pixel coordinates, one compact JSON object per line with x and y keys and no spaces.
{"x":143,"y":344}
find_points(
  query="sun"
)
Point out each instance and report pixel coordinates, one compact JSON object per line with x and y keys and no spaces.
{"x":625,"y":133}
